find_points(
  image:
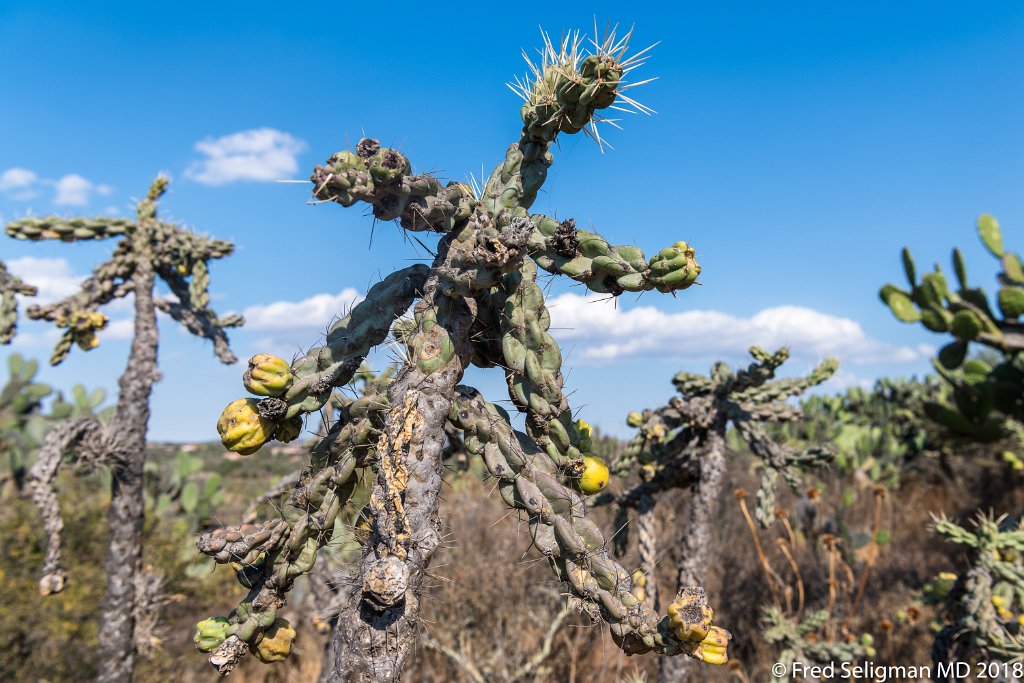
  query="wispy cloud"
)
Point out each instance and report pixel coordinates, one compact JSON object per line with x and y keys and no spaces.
{"x":52,"y":276}
{"x":19,"y":183}
{"x":291,"y":325}
{"x":260,"y":155}
{"x":72,"y":189}
{"x":602,"y":332}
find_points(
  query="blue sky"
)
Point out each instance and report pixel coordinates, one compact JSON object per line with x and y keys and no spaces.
{"x":798,"y":146}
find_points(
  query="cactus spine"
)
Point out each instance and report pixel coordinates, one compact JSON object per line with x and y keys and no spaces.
{"x":478,"y":303}
{"x":148,"y":248}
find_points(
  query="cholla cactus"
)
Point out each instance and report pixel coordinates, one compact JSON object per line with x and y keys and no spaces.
{"x":479,"y":302}
{"x":984,"y":396}
{"x":683,"y":445}
{"x":983,"y":608}
{"x":10,"y":286}
{"x":148,"y":248}
{"x":798,"y":642}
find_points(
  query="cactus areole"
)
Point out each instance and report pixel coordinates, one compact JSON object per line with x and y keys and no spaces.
{"x":477,"y":303}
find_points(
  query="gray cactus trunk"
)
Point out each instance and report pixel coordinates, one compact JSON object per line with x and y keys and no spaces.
{"x":371,"y":645}
{"x":126,"y":514}
{"x":699,"y":539}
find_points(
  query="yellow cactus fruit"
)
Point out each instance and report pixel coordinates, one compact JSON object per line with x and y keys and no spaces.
{"x":690,"y":616}
{"x":276,"y":643}
{"x":241,"y":427}
{"x":87,"y":340}
{"x":289,"y":430}
{"x":714,"y":648}
{"x":595,"y":475}
{"x":634,"y":419}
{"x":639,"y":585}
{"x":267,"y":375}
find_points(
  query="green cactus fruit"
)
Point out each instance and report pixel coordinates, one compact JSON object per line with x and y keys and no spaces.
{"x":1011,"y":302}
{"x":595,"y":475}
{"x":991,"y":235}
{"x":586,"y":432}
{"x":966,"y":325}
{"x":241,"y":427}
{"x":289,"y":430}
{"x":387,"y":166}
{"x":674,"y":268}
{"x":276,"y":643}
{"x":900,"y":304}
{"x":952,"y":355}
{"x":210,"y":633}
{"x":267,"y":375}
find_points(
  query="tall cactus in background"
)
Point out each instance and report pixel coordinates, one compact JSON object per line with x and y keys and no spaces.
{"x":10,"y":286}
{"x":477,"y":303}
{"x":148,"y":248}
{"x":987,"y":398}
{"x":683,"y":445}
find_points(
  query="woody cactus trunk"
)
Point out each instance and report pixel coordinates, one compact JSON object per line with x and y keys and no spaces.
{"x":682,"y":445}
{"x":479,"y":303}
{"x":148,"y":248}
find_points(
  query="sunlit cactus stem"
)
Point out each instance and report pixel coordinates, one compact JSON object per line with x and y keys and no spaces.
{"x":477,"y":303}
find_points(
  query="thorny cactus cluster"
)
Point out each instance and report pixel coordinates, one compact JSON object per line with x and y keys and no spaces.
{"x":479,"y":303}
{"x":10,"y":286}
{"x":982,"y":609}
{"x":179,"y":257}
{"x":148,"y":248}
{"x":985,"y":396}
{"x":798,"y":642}
{"x":683,"y":446}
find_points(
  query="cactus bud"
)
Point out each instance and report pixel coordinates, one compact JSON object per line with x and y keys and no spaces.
{"x":289,"y":430}
{"x":267,"y":375}
{"x":595,"y":475}
{"x":276,"y":643}
{"x":210,"y":633}
{"x":241,"y":427}
{"x":1011,"y":302}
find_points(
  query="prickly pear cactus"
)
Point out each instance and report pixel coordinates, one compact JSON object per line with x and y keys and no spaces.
{"x":982,"y":609}
{"x":479,"y":303}
{"x":985,"y":396}
{"x":147,"y":249}
{"x":10,"y":286}
{"x":22,"y":421}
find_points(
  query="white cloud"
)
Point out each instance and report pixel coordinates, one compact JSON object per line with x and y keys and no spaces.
{"x":74,"y":190}
{"x":260,"y":154}
{"x":603,"y":332}
{"x":293,"y":325}
{"x":52,"y":276}
{"x":20,"y":183}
